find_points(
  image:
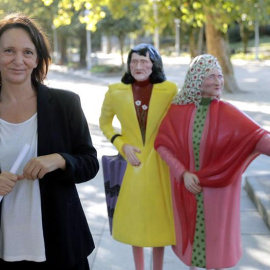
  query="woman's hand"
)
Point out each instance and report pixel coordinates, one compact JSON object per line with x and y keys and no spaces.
{"x":39,"y":166}
{"x":130,"y":152}
{"x":7,"y":182}
{"x":192,"y":182}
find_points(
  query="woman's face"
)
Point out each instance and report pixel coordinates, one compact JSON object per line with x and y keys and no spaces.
{"x":213,"y":83}
{"x":140,"y":67}
{"x":18,"y":56}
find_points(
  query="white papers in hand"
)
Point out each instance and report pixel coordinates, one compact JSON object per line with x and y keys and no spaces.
{"x":19,"y":160}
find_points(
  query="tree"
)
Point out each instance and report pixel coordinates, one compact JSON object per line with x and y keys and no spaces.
{"x":67,"y":14}
{"x":219,"y":15}
{"x":120,"y":27}
{"x":217,"y":45}
{"x":252,"y":11}
{"x":216,"y":15}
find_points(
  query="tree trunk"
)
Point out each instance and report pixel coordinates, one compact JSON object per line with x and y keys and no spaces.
{"x":244,"y":33}
{"x":121,"y":38}
{"x":200,"y":41}
{"x":63,"y":50}
{"x":192,"y":44}
{"x":109,"y":43}
{"x":217,"y":45}
{"x":83,"y":50}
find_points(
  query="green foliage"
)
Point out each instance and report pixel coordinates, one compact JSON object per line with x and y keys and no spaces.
{"x":124,"y":8}
{"x":120,"y":26}
{"x":90,"y":11}
{"x":106,"y":69}
{"x":136,"y":17}
{"x":34,"y":9}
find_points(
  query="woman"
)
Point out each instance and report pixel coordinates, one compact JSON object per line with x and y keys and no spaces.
{"x":207,"y":143}
{"x":43,"y":225}
{"x":143,"y":215}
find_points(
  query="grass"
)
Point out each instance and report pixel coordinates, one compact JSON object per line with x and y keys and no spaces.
{"x":106,"y":69}
{"x":264,"y":42}
{"x":264,"y":49}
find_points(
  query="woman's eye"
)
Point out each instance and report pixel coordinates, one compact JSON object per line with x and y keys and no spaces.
{"x":29,"y":53}
{"x":8,"y":51}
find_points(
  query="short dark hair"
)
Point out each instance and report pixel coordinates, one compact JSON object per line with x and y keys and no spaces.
{"x":157,"y":75}
{"x":42,"y":45}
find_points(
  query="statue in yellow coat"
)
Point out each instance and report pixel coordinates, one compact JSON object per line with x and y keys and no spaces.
{"x":143,"y":216}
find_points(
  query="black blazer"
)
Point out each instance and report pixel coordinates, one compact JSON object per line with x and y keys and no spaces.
{"x":63,"y":129}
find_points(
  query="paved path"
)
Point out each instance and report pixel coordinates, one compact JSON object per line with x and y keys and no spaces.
{"x":254,"y":78}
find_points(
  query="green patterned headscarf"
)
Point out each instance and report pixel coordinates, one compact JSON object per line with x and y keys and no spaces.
{"x":191,"y":91}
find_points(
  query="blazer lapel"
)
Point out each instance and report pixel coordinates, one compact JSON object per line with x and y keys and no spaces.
{"x":157,"y":107}
{"x":126,"y":102}
{"x":44,"y":119}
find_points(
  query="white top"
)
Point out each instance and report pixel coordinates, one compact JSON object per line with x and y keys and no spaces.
{"x":21,"y":232}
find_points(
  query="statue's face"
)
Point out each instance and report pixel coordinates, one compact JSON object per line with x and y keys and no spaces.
{"x":213,"y":83}
{"x":140,"y":67}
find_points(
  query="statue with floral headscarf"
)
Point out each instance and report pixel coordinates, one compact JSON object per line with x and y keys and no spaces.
{"x":191,"y":91}
{"x":207,"y":143}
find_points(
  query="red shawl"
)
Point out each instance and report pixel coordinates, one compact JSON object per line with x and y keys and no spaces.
{"x":230,"y":138}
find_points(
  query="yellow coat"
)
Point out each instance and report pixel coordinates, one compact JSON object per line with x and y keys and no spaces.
{"x":143,"y":215}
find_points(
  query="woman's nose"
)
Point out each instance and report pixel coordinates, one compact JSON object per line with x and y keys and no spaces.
{"x":18,"y":58}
